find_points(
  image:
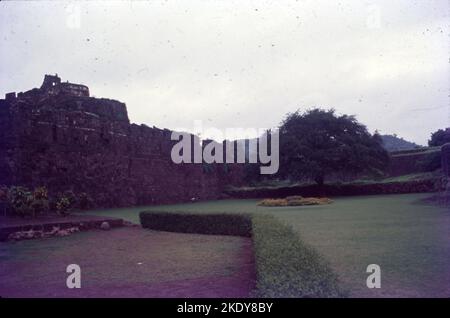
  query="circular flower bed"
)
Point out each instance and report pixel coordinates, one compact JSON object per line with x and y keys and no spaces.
{"x":295,"y":200}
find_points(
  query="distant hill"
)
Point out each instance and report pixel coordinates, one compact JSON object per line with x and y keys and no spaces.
{"x":393,"y":143}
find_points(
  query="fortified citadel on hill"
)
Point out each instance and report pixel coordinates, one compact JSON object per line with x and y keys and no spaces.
{"x":59,"y":137}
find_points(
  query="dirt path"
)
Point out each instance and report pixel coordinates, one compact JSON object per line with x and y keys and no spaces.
{"x":129,"y":262}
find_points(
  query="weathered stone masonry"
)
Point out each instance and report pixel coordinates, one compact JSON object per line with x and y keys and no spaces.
{"x":63,"y":139}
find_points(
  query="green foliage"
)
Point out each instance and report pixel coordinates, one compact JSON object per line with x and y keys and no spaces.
{"x":40,"y":203}
{"x":20,"y":199}
{"x":40,"y":193}
{"x":208,"y":168}
{"x":318,"y":143}
{"x":218,"y":224}
{"x":24,"y":202}
{"x":71,"y":197}
{"x":439,"y":137}
{"x":385,"y":225}
{"x":252,"y":173}
{"x":84,"y":201}
{"x":68,"y":200}
{"x":286,"y":267}
{"x":3,"y":193}
{"x":226,"y":168}
{"x":431,"y":162}
{"x":63,"y":205}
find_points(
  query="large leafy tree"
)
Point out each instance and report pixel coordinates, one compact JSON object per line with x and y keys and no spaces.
{"x":317,"y":143}
{"x":439,"y":137}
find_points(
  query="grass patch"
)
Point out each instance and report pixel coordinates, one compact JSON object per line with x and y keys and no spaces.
{"x":285,"y":266}
{"x":404,"y":178}
{"x":418,"y":151}
{"x":126,"y":262}
{"x":407,"y":238}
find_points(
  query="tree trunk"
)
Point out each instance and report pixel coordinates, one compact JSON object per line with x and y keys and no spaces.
{"x":320,"y":179}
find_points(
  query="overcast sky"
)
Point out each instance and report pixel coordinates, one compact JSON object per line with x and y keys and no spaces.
{"x":241,"y":63}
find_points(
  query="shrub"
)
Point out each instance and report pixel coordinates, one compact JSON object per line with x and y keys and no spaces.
{"x":40,"y":203}
{"x":431,"y":162}
{"x":273,"y":202}
{"x":3,"y":193}
{"x":65,"y":202}
{"x":3,"y":199}
{"x":63,"y":206}
{"x":208,"y":168}
{"x":439,"y":137}
{"x":84,"y":201}
{"x":24,"y":202}
{"x":71,"y":197}
{"x":20,"y":199}
{"x":285,"y":266}
{"x":218,"y":224}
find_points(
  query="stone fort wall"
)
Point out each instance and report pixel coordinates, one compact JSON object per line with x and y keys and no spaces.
{"x":85,"y":144}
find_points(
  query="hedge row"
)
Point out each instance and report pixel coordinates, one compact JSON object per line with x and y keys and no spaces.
{"x":285,"y":266}
{"x":218,"y":224}
{"x":415,"y":186}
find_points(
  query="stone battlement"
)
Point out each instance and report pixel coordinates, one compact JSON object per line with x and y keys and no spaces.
{"x":52,"y":86}
{"x":85,"y":144}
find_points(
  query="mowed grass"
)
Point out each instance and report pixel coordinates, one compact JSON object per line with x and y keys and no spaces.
{"x":409,"y":240}
{"x":128,"y":262}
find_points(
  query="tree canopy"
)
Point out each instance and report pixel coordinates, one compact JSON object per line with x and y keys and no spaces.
{"x":439,"y":137}
{"x":317,"y":143}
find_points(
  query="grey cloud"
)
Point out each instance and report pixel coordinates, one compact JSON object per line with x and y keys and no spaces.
{"x":241,"y":63}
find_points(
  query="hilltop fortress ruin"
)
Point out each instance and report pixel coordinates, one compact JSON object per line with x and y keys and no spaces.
{"x":59,"y":137}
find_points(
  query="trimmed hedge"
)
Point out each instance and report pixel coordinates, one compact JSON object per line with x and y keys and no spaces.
{"x":218,"y":224}
{"x":285,"y":266}
{"x":330,"y":190}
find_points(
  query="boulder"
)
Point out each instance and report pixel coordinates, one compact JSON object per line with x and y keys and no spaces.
{"x":105,"y":226}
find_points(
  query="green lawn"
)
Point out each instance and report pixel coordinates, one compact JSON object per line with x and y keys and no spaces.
{"x":409,"y":240}
{"x":128,"y":262}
